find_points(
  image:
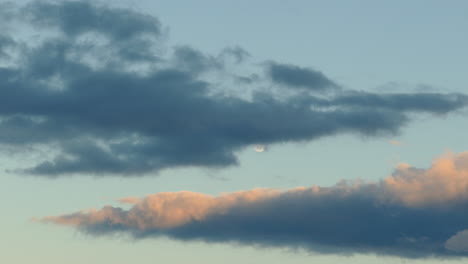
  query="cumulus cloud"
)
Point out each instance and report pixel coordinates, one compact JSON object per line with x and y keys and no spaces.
{"x":445,"y":182}
{"x":99,"y":86}
{"x":411,"y":213}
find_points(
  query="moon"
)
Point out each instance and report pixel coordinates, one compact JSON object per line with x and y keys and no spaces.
{"x":260,"y":148}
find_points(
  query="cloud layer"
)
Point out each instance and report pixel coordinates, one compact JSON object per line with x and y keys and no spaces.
{"x":412,"y":213}
{"x":98,"y":85}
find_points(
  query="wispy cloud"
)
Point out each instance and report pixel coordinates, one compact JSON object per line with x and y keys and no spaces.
{"x":396,"y":142}
{"x":412,"y":213}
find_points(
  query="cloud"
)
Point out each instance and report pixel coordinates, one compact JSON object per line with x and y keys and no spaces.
{"x":418,"y":102}
{"x":129,"y":200}
{"x":445,"y":182}
{"x":236,"y":52}
{"x":299,"y":77}
{"x":99,"y":86}
{"x":74,"y":18}
{"x":458,"y":242}
{"x":396,"y":142}
{"x":411,"y":213}
{"x":5,"y":42}
{"x":192,"y":60}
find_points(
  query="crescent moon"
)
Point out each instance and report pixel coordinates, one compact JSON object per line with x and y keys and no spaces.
{"x":260,"y":148}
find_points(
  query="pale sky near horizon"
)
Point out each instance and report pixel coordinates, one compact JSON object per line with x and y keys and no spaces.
{"x":378,"y":46}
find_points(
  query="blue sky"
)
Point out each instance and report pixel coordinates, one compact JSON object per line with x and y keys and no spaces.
{"x":373,"y":46}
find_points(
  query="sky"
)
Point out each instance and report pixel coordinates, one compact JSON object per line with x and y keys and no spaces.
{"x":254,"y":131}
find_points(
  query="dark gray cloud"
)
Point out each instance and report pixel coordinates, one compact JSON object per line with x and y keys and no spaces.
{"x":75,"y":18}
{"x":192,"y":60}
{"x":299,"y":77}
{"x":5,"y":42}
{"x":413,"y":213}
{"x":99,"y":89}
{"x":131,"y":35}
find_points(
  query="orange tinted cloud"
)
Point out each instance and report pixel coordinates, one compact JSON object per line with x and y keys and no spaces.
{"x":411,"y":212}
{"x":129,"y":200}
{"x":164,"y":210}
{"x":445,"y":181}
{"x":395,"y":142}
